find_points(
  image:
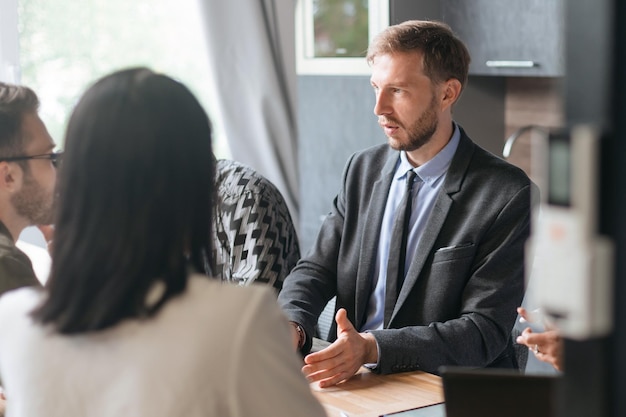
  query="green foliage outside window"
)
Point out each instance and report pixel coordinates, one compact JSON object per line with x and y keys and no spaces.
{"x":340,"y":27}
{"x":65,"y":45}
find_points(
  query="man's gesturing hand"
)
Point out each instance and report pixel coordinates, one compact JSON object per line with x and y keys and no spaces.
{"x":344,"y":357}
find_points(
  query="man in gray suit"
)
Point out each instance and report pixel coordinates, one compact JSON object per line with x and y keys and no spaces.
{"x":469,"y":220}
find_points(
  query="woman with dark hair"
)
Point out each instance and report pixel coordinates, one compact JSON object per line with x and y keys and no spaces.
{"x":129,"y":324}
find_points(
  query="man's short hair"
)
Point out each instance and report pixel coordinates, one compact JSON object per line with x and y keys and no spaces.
{"x":445,"y":55}
{"x":15,"y":102}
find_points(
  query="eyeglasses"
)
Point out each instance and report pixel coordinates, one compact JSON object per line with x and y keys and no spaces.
{"x":54,"y":157}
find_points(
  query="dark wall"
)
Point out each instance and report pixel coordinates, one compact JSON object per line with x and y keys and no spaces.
{"x":480,"y":111}
{"x":335,"y":119}
{"x":400,"y":10}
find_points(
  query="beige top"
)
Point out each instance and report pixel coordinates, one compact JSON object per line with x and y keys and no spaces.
{"x":217,"y":350}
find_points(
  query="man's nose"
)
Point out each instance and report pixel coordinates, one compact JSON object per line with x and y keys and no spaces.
{"x":382,"y":107}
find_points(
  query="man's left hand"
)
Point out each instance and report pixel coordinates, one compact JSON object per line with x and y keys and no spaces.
{"x":342,"y":358}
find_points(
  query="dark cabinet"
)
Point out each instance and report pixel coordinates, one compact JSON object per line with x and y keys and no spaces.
{"x":510,"y":37}
{"x":505,"y":37}
{"x":401,"y":10}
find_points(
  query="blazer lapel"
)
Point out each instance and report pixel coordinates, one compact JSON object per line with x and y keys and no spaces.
{"x":371,"y":237}
{"x":454,"y":179}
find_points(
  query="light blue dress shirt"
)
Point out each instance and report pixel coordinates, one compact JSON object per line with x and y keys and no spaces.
{"x":427,"y":185}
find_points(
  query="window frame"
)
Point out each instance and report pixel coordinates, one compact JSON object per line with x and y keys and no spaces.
{"x":378,"y":19}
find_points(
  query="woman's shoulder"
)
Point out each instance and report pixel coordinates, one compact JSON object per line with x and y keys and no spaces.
{"x":20,"y":299}
{"x":223,"y":305}
{"x":228,"y":295}
{"x":16,"y":306}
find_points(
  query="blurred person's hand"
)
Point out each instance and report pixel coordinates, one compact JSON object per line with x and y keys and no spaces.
{"x":48,"y":234}
{"x":547,"y":346}
{"x":3,"y":401}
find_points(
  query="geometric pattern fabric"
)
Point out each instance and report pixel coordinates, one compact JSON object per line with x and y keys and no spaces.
{"x":255,"y":240}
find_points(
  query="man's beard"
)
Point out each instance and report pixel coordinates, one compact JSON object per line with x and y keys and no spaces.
{"x":33,"y":203}
{"x":420,"y":132}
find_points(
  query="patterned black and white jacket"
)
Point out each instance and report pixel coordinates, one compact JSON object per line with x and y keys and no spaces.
{"x":254,"y":237}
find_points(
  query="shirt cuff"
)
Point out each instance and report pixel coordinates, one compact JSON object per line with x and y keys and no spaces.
{"x":373,"y":366}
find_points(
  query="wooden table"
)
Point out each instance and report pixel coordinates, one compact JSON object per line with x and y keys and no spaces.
{"x":370,"y":395}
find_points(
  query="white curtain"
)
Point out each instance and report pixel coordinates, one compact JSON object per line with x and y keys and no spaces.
{"x":251,"y":46}
{"x":9,"y":45}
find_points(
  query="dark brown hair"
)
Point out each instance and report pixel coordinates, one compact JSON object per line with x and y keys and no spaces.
{"x":135,"y":202}
{"x":15,"y":102}
{"x":445,"y":55}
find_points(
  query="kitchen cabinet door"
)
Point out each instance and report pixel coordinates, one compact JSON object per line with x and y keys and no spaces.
{"x":510,"y":37}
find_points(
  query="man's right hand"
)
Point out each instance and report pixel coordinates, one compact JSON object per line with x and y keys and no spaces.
{"x":344,"y":357}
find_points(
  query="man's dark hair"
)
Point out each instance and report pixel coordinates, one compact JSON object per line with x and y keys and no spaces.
{"x":445,"y":55}
{"x":15,"y":102}
{"x":135,"y":206}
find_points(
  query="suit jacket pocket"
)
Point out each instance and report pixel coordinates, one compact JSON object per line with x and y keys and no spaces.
{"x":452,"y":253}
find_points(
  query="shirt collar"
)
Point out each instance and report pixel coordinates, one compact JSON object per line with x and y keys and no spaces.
{"x":437,"y":166}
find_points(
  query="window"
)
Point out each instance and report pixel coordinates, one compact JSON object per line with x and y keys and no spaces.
{"x":333,"y":35}
{"x":65,"y":45}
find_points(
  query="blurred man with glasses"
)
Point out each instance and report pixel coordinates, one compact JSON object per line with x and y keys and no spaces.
{"x":27,"y":181}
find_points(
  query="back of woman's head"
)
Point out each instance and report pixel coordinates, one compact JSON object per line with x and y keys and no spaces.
{"x":135,"y":202}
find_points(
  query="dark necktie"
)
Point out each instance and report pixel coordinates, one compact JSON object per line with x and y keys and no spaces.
{"x":397,"y":248}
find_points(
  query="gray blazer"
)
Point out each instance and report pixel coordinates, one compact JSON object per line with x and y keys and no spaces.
{"x":457,"y":303}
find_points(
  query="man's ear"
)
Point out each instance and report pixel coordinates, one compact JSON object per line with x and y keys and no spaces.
{"x":10,"y":176}
{"x":450,"y":90}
